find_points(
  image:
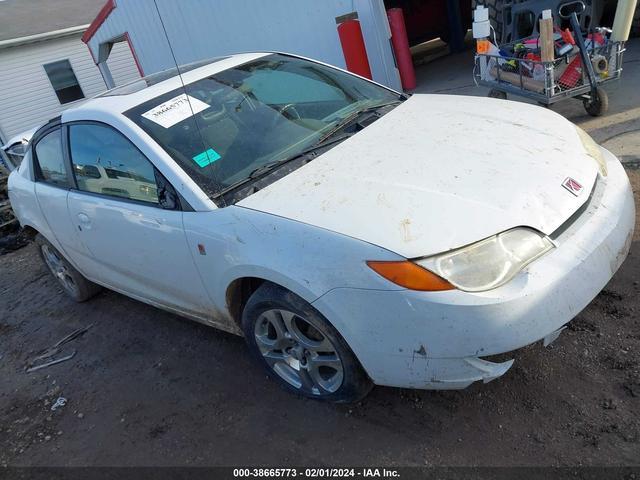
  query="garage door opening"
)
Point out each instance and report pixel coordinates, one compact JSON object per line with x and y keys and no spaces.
{"x":434,"y":27}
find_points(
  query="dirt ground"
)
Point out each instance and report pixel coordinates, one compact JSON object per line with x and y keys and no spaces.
{"x":148,"y":388}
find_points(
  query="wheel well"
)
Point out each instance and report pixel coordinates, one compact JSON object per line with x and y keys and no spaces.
{"x":30,"y":232}
{"x":238,"y":293}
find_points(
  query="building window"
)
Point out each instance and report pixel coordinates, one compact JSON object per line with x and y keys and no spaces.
{"x":64,"y":81}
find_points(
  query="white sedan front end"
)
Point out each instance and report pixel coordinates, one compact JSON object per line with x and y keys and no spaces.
{"x":436,"y":340}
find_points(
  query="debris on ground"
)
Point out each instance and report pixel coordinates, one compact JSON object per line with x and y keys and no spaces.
{"x":52,"y":362}
{"x":12,"y":237}
{"x":60,"y":402}
{"x":54,"y":350}
{"x":6,"y":214}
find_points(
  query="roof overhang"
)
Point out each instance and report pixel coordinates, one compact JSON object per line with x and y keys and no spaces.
{"x":39,"y":37}
{"x":93,"y":27}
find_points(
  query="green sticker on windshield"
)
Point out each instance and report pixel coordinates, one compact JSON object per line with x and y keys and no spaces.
{"x":206,"y":158}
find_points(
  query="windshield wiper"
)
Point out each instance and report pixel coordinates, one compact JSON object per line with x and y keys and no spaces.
{"x":327,"y":139}
{"x":267,"y":167}
{"x":255,"y":173}
{"x":353,"y":116}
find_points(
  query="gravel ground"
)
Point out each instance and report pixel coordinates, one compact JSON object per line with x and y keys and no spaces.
{"x":148,"y":388}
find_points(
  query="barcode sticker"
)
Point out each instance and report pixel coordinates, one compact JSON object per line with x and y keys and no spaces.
{"x":174,"y":111}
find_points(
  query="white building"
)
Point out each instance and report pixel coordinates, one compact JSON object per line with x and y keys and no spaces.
{"x":44,"y":65}
{"x":165,"y":32}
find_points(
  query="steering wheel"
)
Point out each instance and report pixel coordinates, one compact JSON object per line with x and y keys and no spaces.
{"x":215,"y":115}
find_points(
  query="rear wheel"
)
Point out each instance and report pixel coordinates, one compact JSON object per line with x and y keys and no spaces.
{"x":74,"y":284}
{"x":300,"y":349}
{"x":493,"y":93}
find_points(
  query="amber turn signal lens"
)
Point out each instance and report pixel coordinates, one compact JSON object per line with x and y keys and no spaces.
{"x":409,"y":275}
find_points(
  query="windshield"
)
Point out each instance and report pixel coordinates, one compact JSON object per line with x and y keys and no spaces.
{"x":228,"y":125}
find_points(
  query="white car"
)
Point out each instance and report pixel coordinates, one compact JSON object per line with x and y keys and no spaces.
{"x":352,"y":234}
{"x":15,"y":149}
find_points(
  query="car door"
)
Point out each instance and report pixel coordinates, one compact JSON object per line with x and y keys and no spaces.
{"x":130,"y":220}
{"x":52,"y":183}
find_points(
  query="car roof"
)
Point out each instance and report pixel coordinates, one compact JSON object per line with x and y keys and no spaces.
{"x":122,"y":98}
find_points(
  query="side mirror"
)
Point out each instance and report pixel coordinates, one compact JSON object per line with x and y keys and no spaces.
{"x":168,"y":199}
{"x":167,"y":196}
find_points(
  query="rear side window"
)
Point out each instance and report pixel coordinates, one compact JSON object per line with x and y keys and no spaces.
{"x":50,"y":160}
{"x":106,"y":162}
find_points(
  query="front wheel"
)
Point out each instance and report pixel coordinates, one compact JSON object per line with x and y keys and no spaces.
{"x":300,"y":349}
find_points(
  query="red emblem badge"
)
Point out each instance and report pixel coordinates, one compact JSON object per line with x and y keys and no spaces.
{"x":573,"y":186}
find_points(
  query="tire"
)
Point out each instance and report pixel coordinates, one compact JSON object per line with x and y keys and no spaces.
{"x":493,"y":93}
{"x":74,"y":284}
{"x":496,"y":16}
{"x":300,"y":349}
{"x":597,"y":106}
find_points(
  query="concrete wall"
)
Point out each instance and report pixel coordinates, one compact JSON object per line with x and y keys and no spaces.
{"x":199,"y":29}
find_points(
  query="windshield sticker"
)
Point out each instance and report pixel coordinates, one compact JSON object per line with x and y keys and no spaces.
{"x":173,"y":111}
{"x":206,"y":158}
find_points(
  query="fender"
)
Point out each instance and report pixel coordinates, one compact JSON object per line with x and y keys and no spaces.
{"x":236,"y":242}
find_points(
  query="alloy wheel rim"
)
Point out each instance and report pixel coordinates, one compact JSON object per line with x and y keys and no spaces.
{"x":59,"y":269}
{"x":298,"y":352}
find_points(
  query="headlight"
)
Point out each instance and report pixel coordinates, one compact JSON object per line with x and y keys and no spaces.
{"x":593,"y":150}
{"x":491,"y":262}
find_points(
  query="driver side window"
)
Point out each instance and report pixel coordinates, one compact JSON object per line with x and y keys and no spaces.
{"x":106,"y":162}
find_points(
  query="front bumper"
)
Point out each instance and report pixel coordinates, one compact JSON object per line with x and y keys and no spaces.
{"x":434,"y":340}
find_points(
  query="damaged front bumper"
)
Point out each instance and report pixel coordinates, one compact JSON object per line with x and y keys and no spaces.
{"x":437,"y":340}
{"x":452,"y":374}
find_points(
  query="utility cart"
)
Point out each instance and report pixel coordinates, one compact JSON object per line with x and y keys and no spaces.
{"x":512,"y":70}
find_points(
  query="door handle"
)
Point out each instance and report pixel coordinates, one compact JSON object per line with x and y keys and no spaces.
{"x":85,"y":221}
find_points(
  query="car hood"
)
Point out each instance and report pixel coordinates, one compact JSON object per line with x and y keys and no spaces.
{"x":439,"y":172}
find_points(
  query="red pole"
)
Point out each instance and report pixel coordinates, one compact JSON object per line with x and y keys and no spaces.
{"x":355,"y":53}
{"x":400,"y":44}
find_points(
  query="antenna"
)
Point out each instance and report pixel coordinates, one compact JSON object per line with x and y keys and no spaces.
{"x":184,"y":87}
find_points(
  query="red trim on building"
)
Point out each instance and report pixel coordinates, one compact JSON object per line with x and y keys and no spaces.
{"x":99,"y":20}
{"x":133,"y":52}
